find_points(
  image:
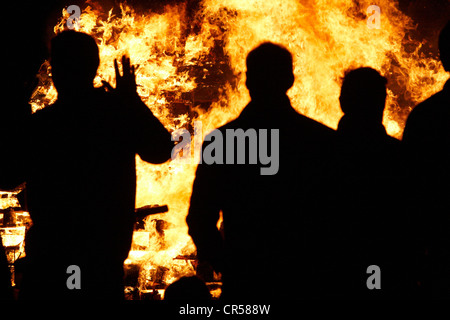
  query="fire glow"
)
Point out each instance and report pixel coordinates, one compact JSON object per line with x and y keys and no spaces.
{"x":192,"y":68}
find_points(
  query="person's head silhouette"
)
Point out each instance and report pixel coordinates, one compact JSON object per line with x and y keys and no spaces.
{"x":269,"y":70}
{"x":444,"y":46}
{"x":74,"y":59}
{"x":363,"y":94}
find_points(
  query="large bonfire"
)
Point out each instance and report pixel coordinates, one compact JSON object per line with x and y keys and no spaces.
{"x":192,"y":68}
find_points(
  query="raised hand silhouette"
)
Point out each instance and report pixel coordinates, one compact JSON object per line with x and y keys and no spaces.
{"x":125,"y":83}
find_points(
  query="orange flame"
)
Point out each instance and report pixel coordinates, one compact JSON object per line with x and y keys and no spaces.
{"x":325,"y":38}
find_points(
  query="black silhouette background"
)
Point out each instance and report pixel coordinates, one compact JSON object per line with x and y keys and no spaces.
{"x":319,"y":237}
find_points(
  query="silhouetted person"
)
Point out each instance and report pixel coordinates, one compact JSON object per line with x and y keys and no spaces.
{"x":80,"y":174}
{"x":265,"y":251}
{"x":187,"y":288}
{"x":427,"y":142}
{"x":368,"y":230}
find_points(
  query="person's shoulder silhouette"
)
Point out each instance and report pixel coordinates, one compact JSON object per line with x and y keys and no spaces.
{"x":428,"y":123}
{"x":427,"y":131}
{"x":269,"y":76}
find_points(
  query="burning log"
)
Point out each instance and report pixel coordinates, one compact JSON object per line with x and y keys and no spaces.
{"x":145,"y":211}
{"x":186,"y":257}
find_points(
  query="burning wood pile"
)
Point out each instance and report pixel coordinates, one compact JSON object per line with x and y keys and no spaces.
{"x":14,"y":223}
{"x":147,"y":271}
{"x":191,"y":61}
{"x":148,"y":280}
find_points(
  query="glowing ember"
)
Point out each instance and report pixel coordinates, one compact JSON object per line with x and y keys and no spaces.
{"x":192,"y":68}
